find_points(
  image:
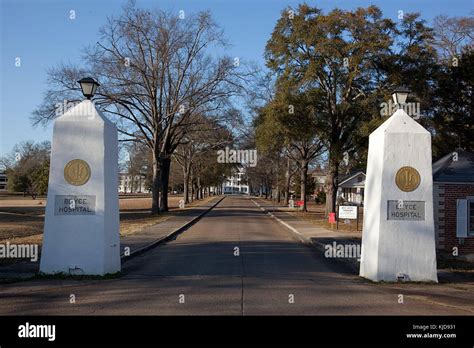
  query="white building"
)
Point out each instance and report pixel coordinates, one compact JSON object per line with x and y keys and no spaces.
{"x":236,"y":183}
{"x":319,"y":178}
{"x":132,"y":183}
{"x":3,"y":182}
{"x":351,"y":188}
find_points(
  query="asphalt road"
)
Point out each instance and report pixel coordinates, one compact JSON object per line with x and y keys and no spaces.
{"x":235,"y":261}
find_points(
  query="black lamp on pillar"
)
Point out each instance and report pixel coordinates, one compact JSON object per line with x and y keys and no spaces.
{"x":400,"y":95}
{"x":88,"y":86}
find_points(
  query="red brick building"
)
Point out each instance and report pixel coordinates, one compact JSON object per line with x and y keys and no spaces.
{"x":453,"y":191}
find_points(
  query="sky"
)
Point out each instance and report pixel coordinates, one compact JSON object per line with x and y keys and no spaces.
{"x":42,"y":34}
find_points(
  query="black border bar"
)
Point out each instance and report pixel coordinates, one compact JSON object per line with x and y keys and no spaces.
{"x":139,"y":330}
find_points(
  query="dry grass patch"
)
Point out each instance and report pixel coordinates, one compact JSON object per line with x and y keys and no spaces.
{"x":22,"y":218}
{"x":137,"y":222}
{"x":323,"y":222}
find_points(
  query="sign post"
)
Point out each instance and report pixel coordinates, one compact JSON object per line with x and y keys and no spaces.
{"x":348,"y":212}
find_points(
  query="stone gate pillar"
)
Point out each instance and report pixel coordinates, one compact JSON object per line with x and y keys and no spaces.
{"x":81,"y":231}
{"x":398,"y":239}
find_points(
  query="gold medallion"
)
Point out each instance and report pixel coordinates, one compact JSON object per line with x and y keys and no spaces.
{"x":407,"y":179}
{"x":77,"y":172}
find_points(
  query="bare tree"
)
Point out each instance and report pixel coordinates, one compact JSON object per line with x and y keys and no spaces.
{"x":451,"y":34}
{"x":138,"y":164}
{"x":156,"y":75}
{"x":206,"y":138}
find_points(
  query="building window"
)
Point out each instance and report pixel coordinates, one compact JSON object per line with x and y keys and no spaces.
{"x":470,"y":220}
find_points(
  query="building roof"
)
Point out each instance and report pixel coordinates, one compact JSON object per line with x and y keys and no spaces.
{"x":317,"y":171}
{"x":350,"y":176}
{"x":446,"y":169}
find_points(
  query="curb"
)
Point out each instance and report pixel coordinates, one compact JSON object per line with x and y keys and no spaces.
{"x":169,"y":236}
{"x":291,"y":228}
{"x":351,"y":264}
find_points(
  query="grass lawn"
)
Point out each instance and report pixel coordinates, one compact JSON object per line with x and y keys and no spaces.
{"x":22,"y":218}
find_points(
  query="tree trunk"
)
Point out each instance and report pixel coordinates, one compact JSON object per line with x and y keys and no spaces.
{"x":198,"y":188}
{"x":331,"y":183}
{"x":164,"y":179}
{"x":191,"y":184}
{"x":278,"y":196}
{"x":287,"y":184}
{"x":186,"y":184}
{"x":303,"y":178}
{"x":155,"y":188}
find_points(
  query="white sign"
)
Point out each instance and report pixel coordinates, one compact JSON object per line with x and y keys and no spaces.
{"x":74,"y":205}
{"x":347,"y":212}
{"x":406,"y":210}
